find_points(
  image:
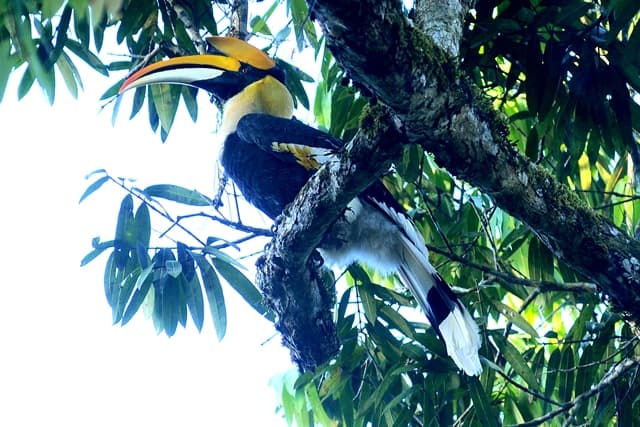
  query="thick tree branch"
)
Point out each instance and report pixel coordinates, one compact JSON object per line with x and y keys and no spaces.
{"x":443,"y":21}
{"x":289,"y":275}
{"x":442,"y":111}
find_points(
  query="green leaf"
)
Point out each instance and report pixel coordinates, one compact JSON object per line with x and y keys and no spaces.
{"x":189,"y":98}
{"x":517,"y":362}
{"x":259,"y":25}
{"x":552,"y":375}
{"x":540,"y":261}
{"x":50,"y":8}
{"x":82,"y":27}
{"x":144,"y":275}
{"x":195,"y":302}
{"x":567,"y":374}
{"x":243,"y":286}
{"x":87,"y":56}
{"x":515,"y":318}
{"x":178,"y":194}
{"x":122,"y":295}
{"x":112,"y":91}
{"x":368,"y":302}
{"x":98,"y":249}
{"x":482,"y":404}
{"x":26,"y":82}
{"x":395,"y":320}
{"x":142,"y":226}
{"x":7,"y":63}
{"x":214,"y":295}
{"x":166,"y":304}
{"x":70,"y":74}
{"x":165,"y":97}
{"x":141,"y":290}
{"x":93,"y":187}
{"x":319,"y":414}
{"x":124,"y":227}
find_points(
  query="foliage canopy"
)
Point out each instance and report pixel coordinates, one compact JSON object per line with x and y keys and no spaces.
{"x":564,"y":73}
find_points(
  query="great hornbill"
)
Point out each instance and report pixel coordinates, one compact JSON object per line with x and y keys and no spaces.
{"x":270,"y":155}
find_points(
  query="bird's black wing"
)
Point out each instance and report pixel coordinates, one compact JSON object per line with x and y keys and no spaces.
{"x":290,"y":140}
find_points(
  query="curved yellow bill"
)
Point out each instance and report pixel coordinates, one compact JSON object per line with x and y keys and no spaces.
{"x":181,"y":69}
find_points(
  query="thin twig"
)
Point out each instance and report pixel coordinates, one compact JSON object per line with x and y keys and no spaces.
{"x":155,"y":209}
{"x":614,"y":373}
{"x":543,"y":285}
{"x":183,"y":16}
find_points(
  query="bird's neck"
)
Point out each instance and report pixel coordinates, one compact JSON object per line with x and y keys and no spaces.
{"x":267,"y":96}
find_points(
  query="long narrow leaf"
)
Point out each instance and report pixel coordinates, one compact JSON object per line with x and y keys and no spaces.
{"x":243,"y":286}
{"x":178,"y":194}
{"x":214,"y":295}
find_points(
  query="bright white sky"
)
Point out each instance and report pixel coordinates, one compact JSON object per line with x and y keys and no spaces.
{"x":61,"y":360}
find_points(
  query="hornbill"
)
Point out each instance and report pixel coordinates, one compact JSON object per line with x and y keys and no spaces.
{"x":270,"y":155}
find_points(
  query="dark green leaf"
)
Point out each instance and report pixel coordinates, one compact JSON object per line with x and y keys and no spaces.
{"x":540,"y":261}
{"x":98,"y":249}
{"x":567,"y":374}
{"x":482,"y":404}
{"x":138,"y":100}
{"x":243,"y":286}
{"x":166,"y":304}
{"x":186,"y":261}
{"x":193,"y":297}
{"x":552,"y":374}
{"x":142,"y":226}
{"x":26,"y":82}
{"x":125,"y":231}
{"x":368,"y":302}
{"x":214,"y":295}
{"x":189,"y":98}
{"x":122,"y":295}
{"x":515,"y":318}
{"x":517,"y":362}
{"x":87,"y":56}
{"x":112,"y":91}
{"x":395,"y":320}
{"x":82,"y":28}
{"x":141,"y":290}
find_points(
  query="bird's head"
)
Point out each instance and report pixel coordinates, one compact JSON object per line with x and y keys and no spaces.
{"x":234,"y":66}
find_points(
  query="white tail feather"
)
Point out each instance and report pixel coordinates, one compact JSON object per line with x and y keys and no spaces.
{"x":458,"y":330}
{"x":462,"y":339}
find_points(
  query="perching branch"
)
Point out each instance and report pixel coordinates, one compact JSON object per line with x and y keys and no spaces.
{"x":440,"y":110}
{"x":289,"y":274}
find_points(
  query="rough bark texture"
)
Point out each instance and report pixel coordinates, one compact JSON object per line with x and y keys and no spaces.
{"x":289,"y":272}
{"x":440,"y":110}
{"x":442,"y":20}
{"x":420,"y":83}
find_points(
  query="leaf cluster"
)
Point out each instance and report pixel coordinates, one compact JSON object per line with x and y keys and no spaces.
{"x":564,"y":72}
{"x":165,"y":282}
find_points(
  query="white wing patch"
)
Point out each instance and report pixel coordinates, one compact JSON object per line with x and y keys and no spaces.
{"x":311,"y":158}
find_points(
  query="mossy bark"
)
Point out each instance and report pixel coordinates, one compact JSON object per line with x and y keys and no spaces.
{"x":429,"y":103}
{"x":443,"y":112}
